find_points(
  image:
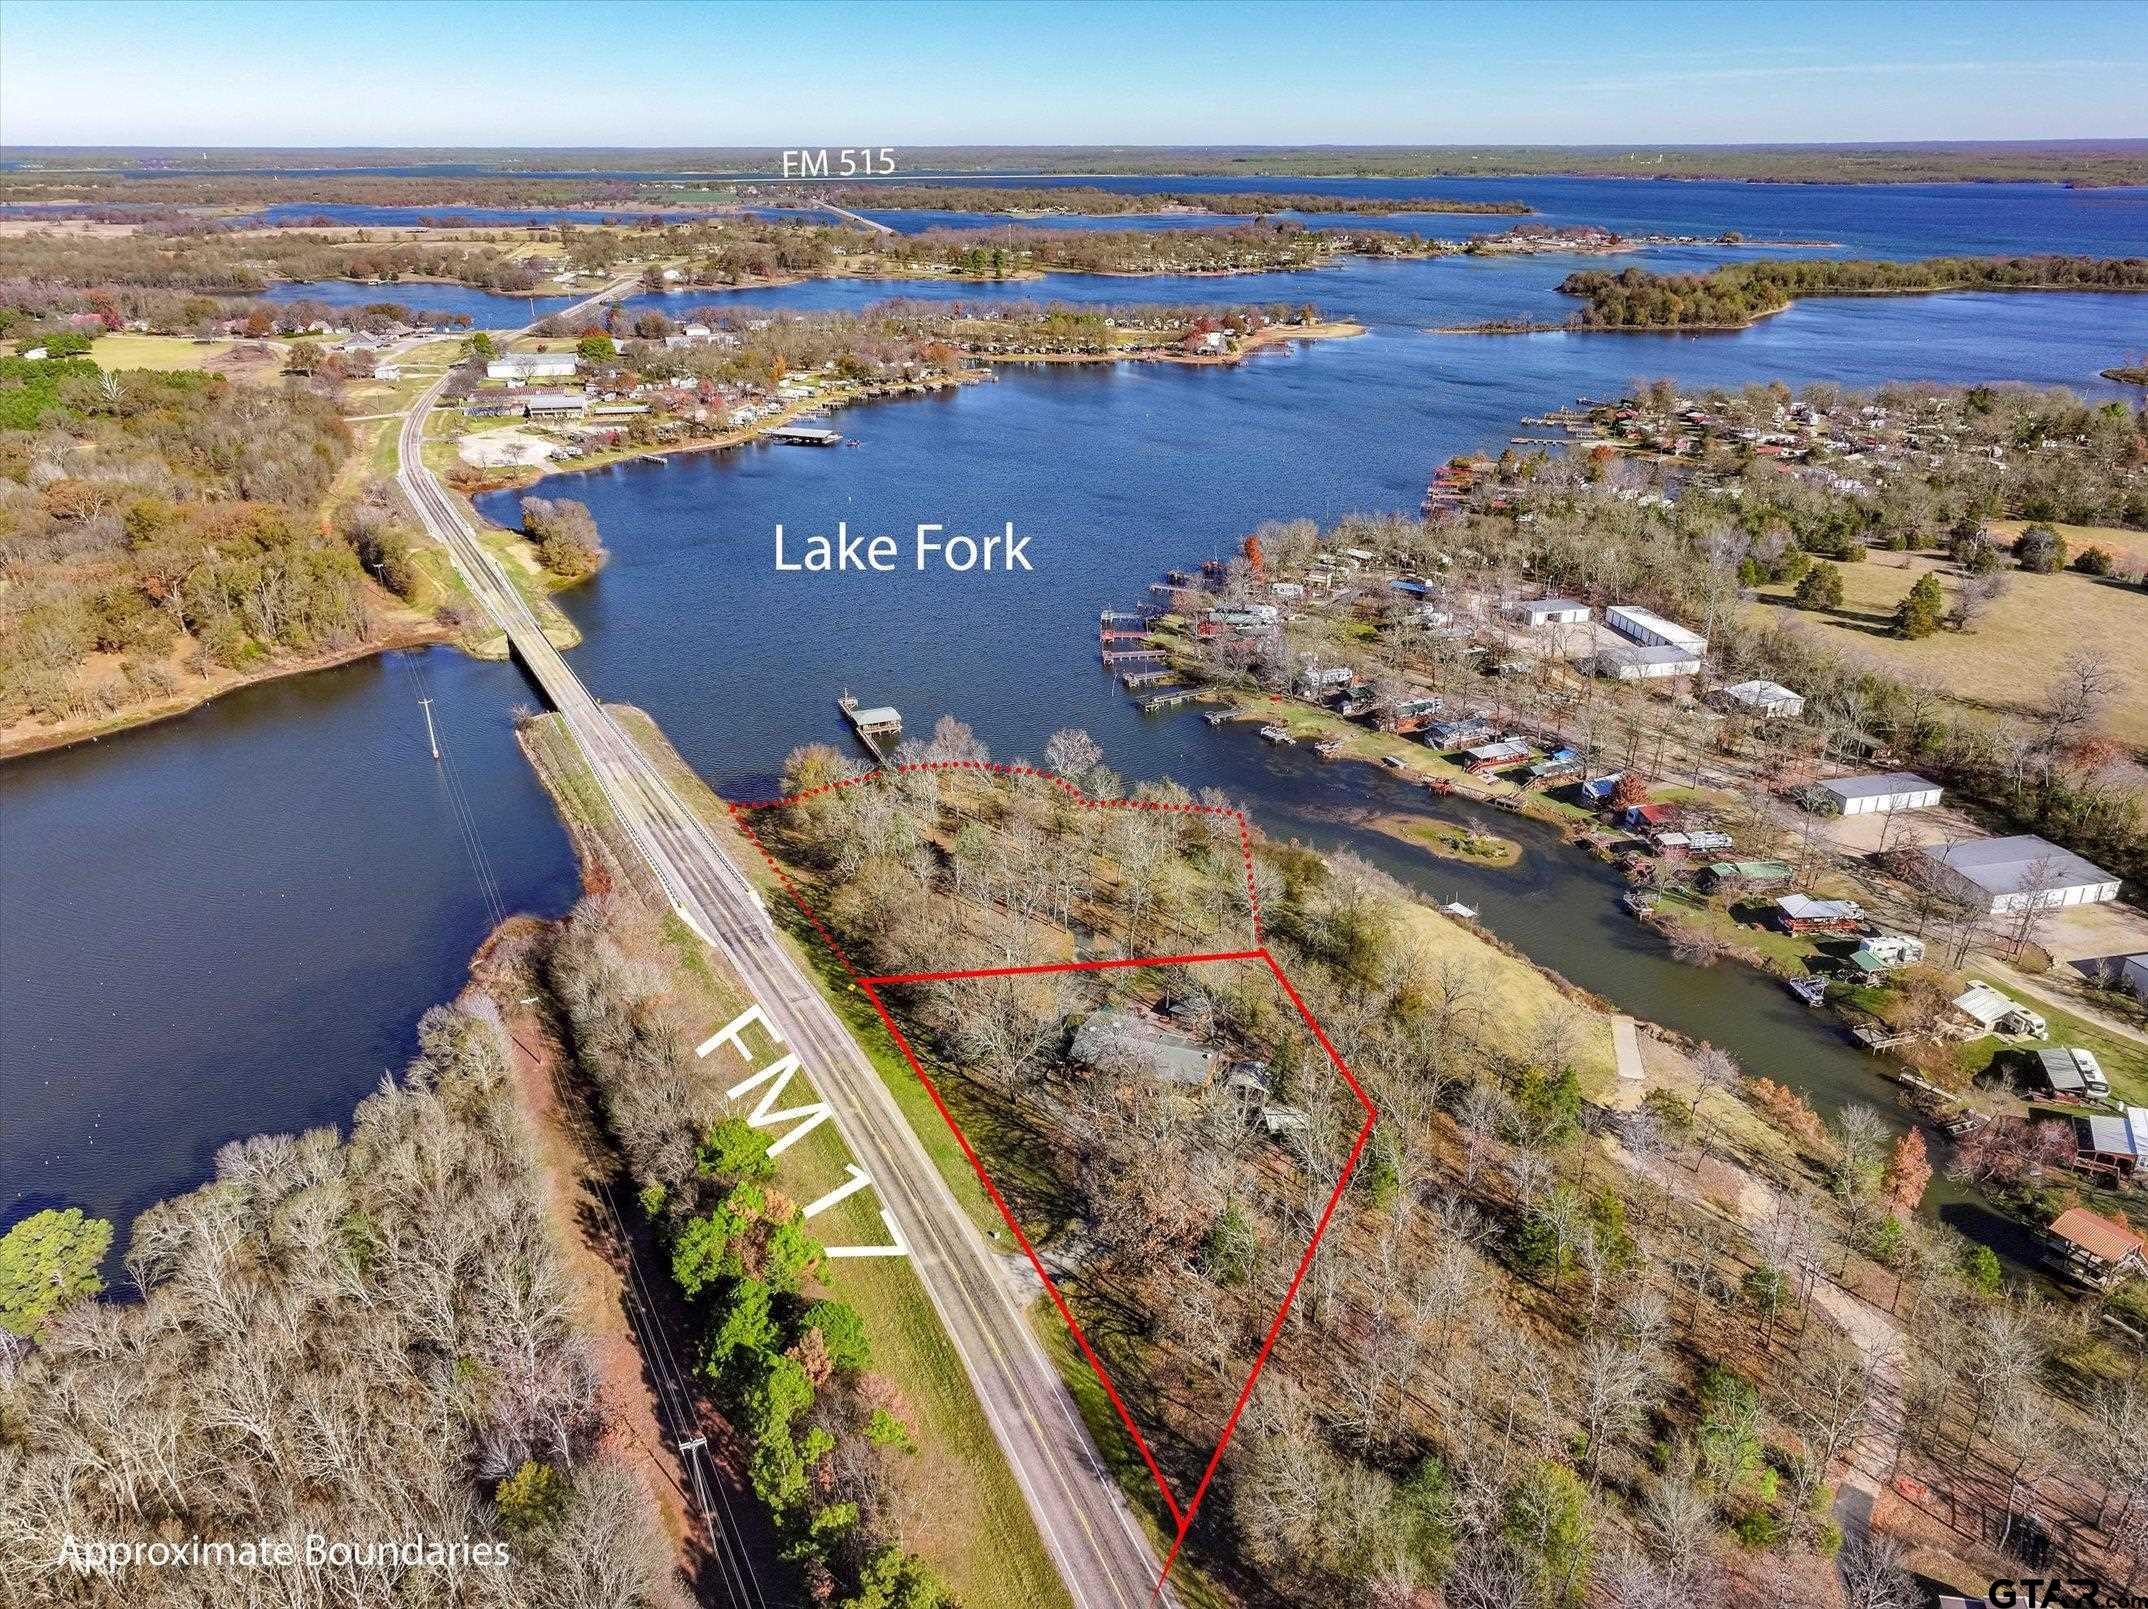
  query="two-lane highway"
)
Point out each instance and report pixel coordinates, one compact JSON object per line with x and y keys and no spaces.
{"x":1093,"y":1537}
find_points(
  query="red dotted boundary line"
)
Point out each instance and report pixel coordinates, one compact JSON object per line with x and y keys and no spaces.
{"x":996,"y":768}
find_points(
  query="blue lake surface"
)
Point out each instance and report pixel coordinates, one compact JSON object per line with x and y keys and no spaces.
{"x":490,"y":310}
{"x":229,"y":923}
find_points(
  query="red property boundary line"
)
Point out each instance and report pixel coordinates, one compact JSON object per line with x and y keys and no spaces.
{"x":1182,"y":1516}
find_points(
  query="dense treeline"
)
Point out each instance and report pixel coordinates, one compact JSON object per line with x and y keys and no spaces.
{"x":359,"y":1340}
{"x":1736,"y":294}
{"x":246,"y":264}
{"x":1096,"y":202}
{"x":154,"y":525}
{"x":793,"y":1369}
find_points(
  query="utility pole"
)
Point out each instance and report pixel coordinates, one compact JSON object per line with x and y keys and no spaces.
{"x":431,"y":736}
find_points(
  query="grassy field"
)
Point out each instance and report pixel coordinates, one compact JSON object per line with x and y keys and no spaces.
{"x":123,"y":351}
{"x":959,"y":1504}
{"x":2020,"y":632}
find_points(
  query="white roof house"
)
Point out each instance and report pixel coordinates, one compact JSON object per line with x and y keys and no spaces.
{"x":1998,"y":1013}
{"x":1886,"y":790}
{"x":1647,"y":627}
{"x":2012,"y":874}
{"x":1766,"y":698}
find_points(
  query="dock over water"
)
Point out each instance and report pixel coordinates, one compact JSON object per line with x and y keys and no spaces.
{"x":878,"y":728}
{"x":806,"y":435}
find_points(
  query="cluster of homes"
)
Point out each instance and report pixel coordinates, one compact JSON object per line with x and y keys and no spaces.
{"x":528,"y":385}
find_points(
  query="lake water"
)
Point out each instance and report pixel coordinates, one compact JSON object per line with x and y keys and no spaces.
{"x":230,"y":923}
{"x":487,"y":310}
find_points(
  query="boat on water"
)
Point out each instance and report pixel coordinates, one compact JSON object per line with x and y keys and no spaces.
{"x":1813,"y":991}
{"x":1637,"y":902}
{"x":1216,"y":717}
{"x":1277,"y":734}
{"x":1455,"y":908}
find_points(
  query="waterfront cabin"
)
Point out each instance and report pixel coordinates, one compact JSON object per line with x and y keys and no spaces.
{"x":1499,"y":756}
{"x":1996,"y":1013}
{"x":2111,"y":1143}
{"x":1118,"y":1040}
{"x":1556,"y":766}
{"x":1869,"y":795}
{"x":1599,"y":791}
{"x":1801,"y":913}
{"x":1769,"y":699}
{"x":1647,"y":817}
{"x":1885,"y":952}
{"x":2019,"y":873}
{"x":1651,"y":630}
{"x":1550,"y":612}
{"x":1408,"y":714}
{"x":2096,"y":1250}
{"x":1742,"y":874}
{"x":1633,"y":662}
{"x":1678,"y":845}
{"x":1458,"y":733}
{"x":2072,"y":1074}
{"x":1316,"y":681}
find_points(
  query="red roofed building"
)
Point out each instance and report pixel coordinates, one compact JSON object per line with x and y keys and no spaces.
{"x":2098,"y":1250}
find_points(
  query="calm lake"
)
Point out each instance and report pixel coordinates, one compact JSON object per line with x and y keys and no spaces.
{"x":229,"y":923}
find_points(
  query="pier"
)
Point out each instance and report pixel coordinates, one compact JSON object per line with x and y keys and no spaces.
{"x":1132,"y":656}
{"x":1144,"y":678}
{"x":1167,"y":699}
{"x":806,"y":435}
{"x":879,"y":729}
{"x":1111,"y":617}
{"x":1122,"y":636}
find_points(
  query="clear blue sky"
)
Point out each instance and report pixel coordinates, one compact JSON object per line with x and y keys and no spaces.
{"x":469,"y":72}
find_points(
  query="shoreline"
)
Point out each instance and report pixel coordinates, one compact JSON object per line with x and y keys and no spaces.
{"x":65,"y":736}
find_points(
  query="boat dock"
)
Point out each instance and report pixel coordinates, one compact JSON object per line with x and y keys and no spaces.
{"x":1111,"y":617}
{"x":879,"y":729}
{"x":1143,"y":678}
{"x":1113,"y":634}
{"x":1169,"y":698}
{"x":806,"y":435}
{"x":1131,"y":656}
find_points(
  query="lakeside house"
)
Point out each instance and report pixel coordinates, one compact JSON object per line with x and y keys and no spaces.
{"x":1647,"y":817}
{"x":1770,"y":699}
{"x":2096,"y":1250}
{"x":2073,"y":1073}
{"x":1115,"y":1039}
{"x":1489,"y":757}
{"x":1801,"y":913}
{"x":1886,"y":952}
{"x":554,"y":404}
{"x":1743,"y":874}
{"x":1996,"y":1013}
{"x":1869,"y":795}
{"x":1700,"y":841}
{"x":1599,"y":791}
{"x":2019,"y":873}
{"x":2107,"y":1142}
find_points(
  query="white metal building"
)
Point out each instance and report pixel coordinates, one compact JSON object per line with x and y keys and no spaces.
{"x":531,"y":366}
{"x":1884,"y":790}
{"x":1647,"y":627}
{"x":1550,"y":612}
{"x":1766,"y":698}
{"x":2014,"y":874}
{"x":1636,"y":662}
